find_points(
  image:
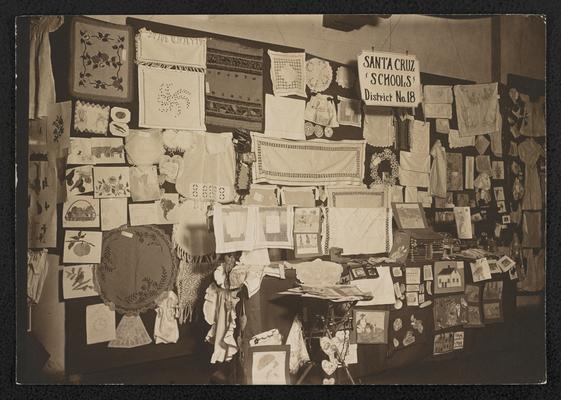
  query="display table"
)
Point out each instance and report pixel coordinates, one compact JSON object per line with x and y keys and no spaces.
{"x":267,"y":310}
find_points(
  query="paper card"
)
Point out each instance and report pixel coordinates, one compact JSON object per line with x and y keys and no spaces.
{"x":380,"y":288}
{"x":493,"y":290}
{"x":473,"y":293}
{"x":425,"y":198}
{"x":427,"y":272}
{"x":107,"y":150}
{"x":428,"y":286}
{"x":470,"y":162}
{"x":412,"y":299}
{"x":37,"y":129}
{"x":412,"y":275}
{"x":143,"y":214}
{"x":411,"y":194}
{"x":113,"y":213}
{"x":462,"y":215}
{"x":499,"y":193}
{"x":144,"y":185}
{"x":82,"y":247}
{"x":421,"y":298}
{"x":492,"y":312}
{"x":449,"y":311}
{"x":307,"y":244}
{"x":480,"y":270}
{"x":498,"y":170}
{"x":58,"y":120}
{"x":79,"y":180}
{"x":494,"y":267}
{"x":454,"y":171}
{"x":80,"y":212}
{"x":412,"y":288}
{"x":442,"y":125}
{"x":443,"y":343}
{"x":111,"y":182}
{"x":449,"y":276}
{"x":397,"y":290}
{"x":234,"y":224}
{"x":307,"y":219}
{"x":100,"y":324}
{"x":80,"y":151}
{"x":91,"y":118}
{"x":458,"y":340}
{"x":371,"y":326}
{"x":168,"y":209}
{"x":77,"y":281}
{"x":396,"y":272}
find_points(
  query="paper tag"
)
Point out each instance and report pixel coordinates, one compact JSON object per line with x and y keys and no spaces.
{"x":127,"y":234}
{"x":207,"y":87}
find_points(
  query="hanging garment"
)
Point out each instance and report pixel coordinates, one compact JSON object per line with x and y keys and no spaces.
{"x":532,"y":229}
{"x":497,"y":138}
{"x":534,"y":280}
{"x":320,"y":110}
{"x":379,"y":129}
{"x":284,"y":117}
{"x":414,"y":169}
{"x":533,"y":121}
{"x":41,"y":79}
{"x":305,"y":163}
{"x":220,"y":312}
{"x":530,"y":151}
{"x":357,"y":230}
{"x":37,"y":268}
{"x":288,"y":73}
{"x":438,"y":174}
{"x":209,"y":168}
{"x":477,"y":108}
{"x":234,"y":77}
{"x":165,"y":326}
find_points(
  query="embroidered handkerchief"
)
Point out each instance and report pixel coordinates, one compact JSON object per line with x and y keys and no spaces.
{"x":476,"y":108}
{"x":234,"y":228}
{"x":379,"y":130}
{"x":101,"y":60}
{"x":442,"y":125}
{"x":419,"y":136}
{"x":413,"y":178}
{"x":165,"y":50}
{"x":437,"y":94}
{"x":91,"y":118}
{"x":143,"y":214}
{"x":288,"y":73}
{"x":455,"y":140}
{"x":348,"y":112}
{"x":234,"y":77}
{"x":411,"y":194}
{"x":481,"y":144}
{"x":284,"y":117}
{"x":100,"y":324}
{"x":414,"y":161}
{"x":111,"y":182}
{"x":358,"y":230}
{"x":144,"y":146}
{"x":355,"y":197}
{"x":298,"y":196}
{"x":274,"y":227}
{"x":437,"y":110}
{"x":263,"y":195}
{"x":305,"y":163}
{"x":170,"y":98}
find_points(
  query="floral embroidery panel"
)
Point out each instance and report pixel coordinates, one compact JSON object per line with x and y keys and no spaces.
{"x":101,"y":60}
{"x":171,"y":99}
{"x":137,"y":265}
{"x":111,"y":182}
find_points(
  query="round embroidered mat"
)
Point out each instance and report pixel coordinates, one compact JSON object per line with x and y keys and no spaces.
{"x":137,"y":265}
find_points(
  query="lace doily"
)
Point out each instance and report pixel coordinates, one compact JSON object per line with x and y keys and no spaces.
{"x":319,"y":75}
{"x":377,"y":158}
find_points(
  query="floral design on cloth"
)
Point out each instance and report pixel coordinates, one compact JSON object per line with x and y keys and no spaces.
{"x":111,"y":182}
{"x":101,"y":61}
{"x":288,"y":73}
{"x":477,"y":108}
{"x":138,"y":264}
{"x":319,"y":74}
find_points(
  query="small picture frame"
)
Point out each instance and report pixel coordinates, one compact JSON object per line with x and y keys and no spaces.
{"x":410,"y":216}
{"x":269,"y":365}
{"x":371,"y":326}
{"x":358,"y":272}
{"x":307,"y":245}
{"x":506,"y":219}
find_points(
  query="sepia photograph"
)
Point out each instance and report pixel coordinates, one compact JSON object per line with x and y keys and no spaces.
{"x":281,"y":199}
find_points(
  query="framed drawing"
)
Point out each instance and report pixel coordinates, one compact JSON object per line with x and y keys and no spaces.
{"x":410,"y":216}
{"x":111,"y":182}
{"x":108,"y":150}
{"x":450,"y":311}
{"x":371,"y":326}
{"x":269,"y":365}
{"x":82,"y":247}
{"x":79,"y":180}
{"x":449,"y":277}
{"x":77,"y":281}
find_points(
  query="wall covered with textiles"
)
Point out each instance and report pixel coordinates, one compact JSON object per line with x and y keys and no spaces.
{"x":171,"y":170}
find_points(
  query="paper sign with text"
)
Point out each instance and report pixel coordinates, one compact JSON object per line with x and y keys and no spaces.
{"x":389,"y":79}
